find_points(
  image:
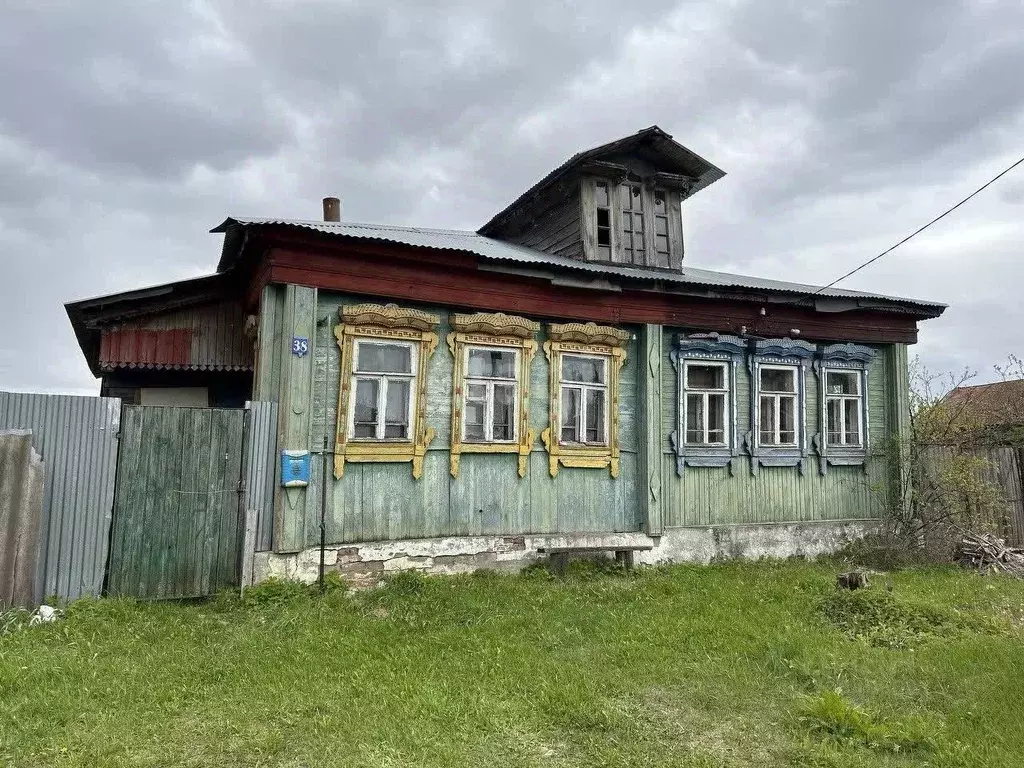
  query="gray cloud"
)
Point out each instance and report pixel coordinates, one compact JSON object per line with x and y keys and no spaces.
{"x":127,"y":129}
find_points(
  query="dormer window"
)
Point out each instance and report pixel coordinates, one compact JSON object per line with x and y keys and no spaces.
{"x":631,"y":220}
{"x":602,"y":202}
{"x":632,"y":223}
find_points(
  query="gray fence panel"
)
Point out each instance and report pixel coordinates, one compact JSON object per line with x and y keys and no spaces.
{"x":261,"y":466}
{"x":77,"y":438}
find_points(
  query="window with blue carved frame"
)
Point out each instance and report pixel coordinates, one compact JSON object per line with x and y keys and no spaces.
{"x":843,"y":436}
{"x":778,"y":403}
{"x":705,"y":434}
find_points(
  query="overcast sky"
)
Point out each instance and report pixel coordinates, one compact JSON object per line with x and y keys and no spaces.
{"x":129,"y":129}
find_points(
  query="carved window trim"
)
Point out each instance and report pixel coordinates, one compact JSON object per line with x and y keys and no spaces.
{"x":494,"y":330}
{"x":778,"y":352}
{"x":583,"y":339}
{"x":843,"y":357}
{"x":706,"y":348}
{"x":388,"y":323}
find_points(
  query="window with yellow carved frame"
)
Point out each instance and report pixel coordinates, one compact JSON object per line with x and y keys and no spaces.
{"x":382,"y":396}
{"x":585,"y":361}
{"x":491,"y":385}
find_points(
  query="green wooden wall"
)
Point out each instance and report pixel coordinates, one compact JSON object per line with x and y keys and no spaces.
{"x":383,"y":501}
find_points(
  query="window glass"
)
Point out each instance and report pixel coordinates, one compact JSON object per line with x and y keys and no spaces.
{"x":384,"y":358}
{"x":768,"y":416}
{"x":595,"y":416}
{"x":492,"y":363}
{"x":716,"y":418}
{"x":396,"y":412}
{"x":659,"y":202}
{"x":787,"y":420}
{"x":851,"y":417}
{"x":504,"y":412}
{"x":705,"y":376}
{"x":588,"y":370}
{"x":571,"y":408}
{"x":365,"y":418}
{"x":695,"y":419}
{"x":778,"y":380}
{"x":842,"y":383}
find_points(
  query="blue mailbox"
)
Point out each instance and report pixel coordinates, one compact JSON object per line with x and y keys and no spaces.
{"x":295,"y":469}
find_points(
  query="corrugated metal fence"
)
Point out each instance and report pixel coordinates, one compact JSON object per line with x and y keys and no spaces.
{"x":1003,"y":467}
{"x":77,"y":438}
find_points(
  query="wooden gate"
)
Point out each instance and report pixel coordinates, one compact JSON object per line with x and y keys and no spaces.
{"x":177,"y":520}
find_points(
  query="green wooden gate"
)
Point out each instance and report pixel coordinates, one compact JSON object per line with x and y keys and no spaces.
{"x":176,"y":529}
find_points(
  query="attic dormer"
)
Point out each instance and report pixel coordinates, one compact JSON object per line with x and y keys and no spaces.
{"x":619,"y":203}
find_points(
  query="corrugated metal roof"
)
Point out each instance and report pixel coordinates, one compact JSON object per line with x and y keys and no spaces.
{"x":501,"y":251}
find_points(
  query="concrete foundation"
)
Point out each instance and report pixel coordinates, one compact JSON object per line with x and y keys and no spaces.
{"x":365,"y":564}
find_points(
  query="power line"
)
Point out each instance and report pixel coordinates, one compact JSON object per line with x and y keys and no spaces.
{"x":919,"y":231}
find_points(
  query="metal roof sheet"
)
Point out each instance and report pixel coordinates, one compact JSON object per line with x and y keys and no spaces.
{"x":501,"y":251}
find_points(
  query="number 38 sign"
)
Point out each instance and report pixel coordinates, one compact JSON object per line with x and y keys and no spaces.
{"x":300,"y":346}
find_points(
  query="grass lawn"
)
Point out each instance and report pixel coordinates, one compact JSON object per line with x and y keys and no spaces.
{"x":735,"y":664}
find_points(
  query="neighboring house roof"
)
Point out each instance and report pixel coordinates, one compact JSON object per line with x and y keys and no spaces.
{"x":658,"y":141}
{"x":988,"y":405}
{"x":500,"y":251}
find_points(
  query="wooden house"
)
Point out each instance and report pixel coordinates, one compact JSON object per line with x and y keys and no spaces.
{"x":559,"y":378}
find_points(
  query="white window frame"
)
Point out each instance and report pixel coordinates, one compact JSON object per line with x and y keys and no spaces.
{"x":859,"y":398}
{"x":726,"y":402}
{"x":583,"y":387}
{"x":795,"y":396}
{"x":382,"y":391}
{"x":489,"y":382}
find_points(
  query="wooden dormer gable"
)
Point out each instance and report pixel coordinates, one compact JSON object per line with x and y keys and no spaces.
{"x":619,"y":203}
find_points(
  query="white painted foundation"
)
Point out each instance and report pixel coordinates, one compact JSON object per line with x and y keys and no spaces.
{"x":366,"y":563}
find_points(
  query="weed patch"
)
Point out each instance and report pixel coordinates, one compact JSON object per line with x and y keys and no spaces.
{"x":883,"y":619}
{"x":832,"y":715}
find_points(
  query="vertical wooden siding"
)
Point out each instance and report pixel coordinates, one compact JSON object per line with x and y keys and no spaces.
{"x":710,"y":496}
{"x":176,"y":507}
{"x":382,"y":501}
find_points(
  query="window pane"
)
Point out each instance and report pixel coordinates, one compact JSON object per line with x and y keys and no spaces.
{"x":852,"y":421}
{"x":767,"y":417}
{"x":396,"y":411}
{"x":661,"y":244}
{"x":604,"y":252}
{"x":627,"y":199}
{"x":570,"y":414}
{"x":365,"y":416}
{"x":474,"y":419}
{"x":603,"y":218}
{"x":842,"y":383}
{"x":494,"y":363}
{"x":659,"y":202}
{"x":660,"y":225}
{"x":589,"y":370}
{"x":384,"y":358}
{"x":638,"y":222}
{"x":627,"y":241}
{"x":705,"y":376}
{"x":504,"y":412}
{"x":476,"y":391}
{"x":787,"y":420}
{"x":716,"y":418}
{"x":638,"y":202}
{"x":778,"y":380}
{"x":595,"y":416}
{"x":695,"y":419}
{"x":601,"y":195}
{"x":627,"y":222}
{"x":833,"y":408}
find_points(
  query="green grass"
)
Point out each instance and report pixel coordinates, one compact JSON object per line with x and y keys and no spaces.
{"x":728,"y":665}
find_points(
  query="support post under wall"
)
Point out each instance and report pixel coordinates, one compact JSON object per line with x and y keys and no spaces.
{"x":295,"y":410}
{"x":651,"y":460}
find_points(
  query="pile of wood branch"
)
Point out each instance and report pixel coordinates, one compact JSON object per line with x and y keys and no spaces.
{"x":989,"y":554}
